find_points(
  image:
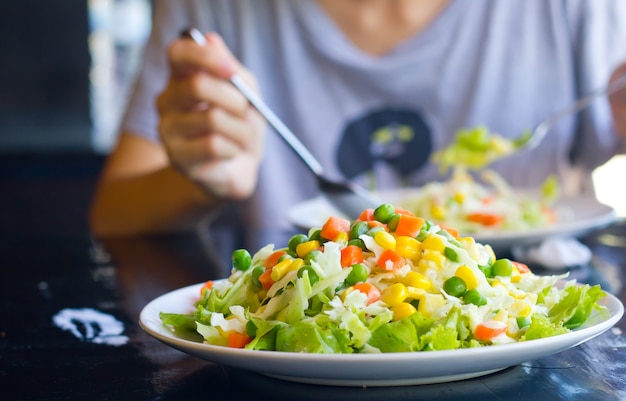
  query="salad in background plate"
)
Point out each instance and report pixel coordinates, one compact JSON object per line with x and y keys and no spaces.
{"x":389,"y":281}
{"x":487,"y":206}
{"x":490,"y":204}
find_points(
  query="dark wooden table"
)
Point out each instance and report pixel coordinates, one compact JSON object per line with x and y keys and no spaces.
{"x":50,"y":264}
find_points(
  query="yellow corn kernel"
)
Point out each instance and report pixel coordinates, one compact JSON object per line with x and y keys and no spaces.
{"x":467,"y":241}
{"x":296,"y":264}
{"x":515,"y":275}
{"x":402,"y":310}
{"x":520,"y":308}
{"x":414,"y":292}
{"x":429,"y":303}
{"x":394,"y":294}
{"x":438,"y":212}
{"x":434,"y":243}
{"x":467,"y":275}
{"x":408,"y":253}
{"x":408,"y":247}
{"x":501,"y":316}
{"x":280,"y":269}
{"x":459,"y":197}
{"x":417,"y":280}
{"x":437,"y":258}
{"x":426,"y":264}
{"x":285,"y":267}
{"x":304,"y":248}
{"x":224,"y":333}
{"x":341,"y":237}
{"x":498,"y":284}
{"x":385,"y":240}
{"x":469,"y":244}
{"x":345,"y":293}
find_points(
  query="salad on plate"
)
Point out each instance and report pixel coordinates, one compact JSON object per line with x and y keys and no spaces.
{"x":476,"y":199}
{"x":389,"y":281}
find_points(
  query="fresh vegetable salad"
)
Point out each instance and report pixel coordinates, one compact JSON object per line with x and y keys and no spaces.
{"x":486,"y":202}
{"x":486,"y":206}
{"x":388,"y":282}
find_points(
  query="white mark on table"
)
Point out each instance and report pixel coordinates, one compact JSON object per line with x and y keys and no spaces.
{"x":91,"y":325}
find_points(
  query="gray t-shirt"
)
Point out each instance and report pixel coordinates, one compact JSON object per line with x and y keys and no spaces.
{"x":506,"y":64}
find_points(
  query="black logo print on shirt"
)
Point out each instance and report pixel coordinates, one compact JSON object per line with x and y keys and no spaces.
{"x":398,"y":137}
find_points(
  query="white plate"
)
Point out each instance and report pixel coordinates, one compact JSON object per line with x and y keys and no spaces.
{"x":582,"y":215}
{"x":389,"y":369}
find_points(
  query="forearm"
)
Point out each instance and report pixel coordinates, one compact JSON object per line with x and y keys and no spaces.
{"x":162,"y":201}
{"x":617,"y":101}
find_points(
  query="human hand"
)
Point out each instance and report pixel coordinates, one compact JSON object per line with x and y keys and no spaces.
{"x":618,"y":102}
{"x":210,"y":132}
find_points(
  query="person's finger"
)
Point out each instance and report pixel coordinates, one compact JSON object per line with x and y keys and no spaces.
{"x":215,"y":120}
{"x":188,"y":152}
{"x":197,"y":89}
{"x":185,"y":57}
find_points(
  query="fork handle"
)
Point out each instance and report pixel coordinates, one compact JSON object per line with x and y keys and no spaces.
{"x":542,"y":129}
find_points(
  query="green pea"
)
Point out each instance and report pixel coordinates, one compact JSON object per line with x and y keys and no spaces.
{"x":421,"y":236}
{"x":316,"y":235}
{"x":287,"y":255}
{"x":374,"y":230}
{"x":242,"y":260}
{"x":392,"y":224}
{"x":455,"y":286}
{"x":445,"y":234}
{"x":296,"y":240}
{"x":358,"y":242}
{"x":313,"y":277}
{"x":358,"y":229}
{"x":256,"y":272}
{"x":502,"y":267}
{"x":474,"y":297}
{"x":358,"y":274}
{"x":251,"y":329}
{"x":456,"y":243}
{"x":311,"y":256}
{"x":384,"y":212}
{"x":487,"y":270}
{"x":451,"y":254}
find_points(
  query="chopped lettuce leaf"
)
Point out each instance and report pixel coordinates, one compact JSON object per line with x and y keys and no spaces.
{"x":541,"y":327}
{"x":398,"y":336}
{"x":211,"y":334}
{"x":307,"y":336}
{"x":576,"y":306}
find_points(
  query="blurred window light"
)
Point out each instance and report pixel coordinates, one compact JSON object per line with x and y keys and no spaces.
{"x":608,"y":184}
{"x":118,"y":32}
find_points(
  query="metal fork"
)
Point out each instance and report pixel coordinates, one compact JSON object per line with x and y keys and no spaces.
{"x":348,"y":197}
{"x":533,"y":139}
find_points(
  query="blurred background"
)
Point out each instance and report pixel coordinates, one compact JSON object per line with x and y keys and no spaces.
{"x":67,"y":66}
{"x":66,"y":71}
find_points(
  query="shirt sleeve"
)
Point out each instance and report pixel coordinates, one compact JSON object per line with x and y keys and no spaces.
{"x":598,"y":30}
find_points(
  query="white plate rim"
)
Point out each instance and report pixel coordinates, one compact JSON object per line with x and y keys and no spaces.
{"x":387,"y":369}
{"x":588,"y":214}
